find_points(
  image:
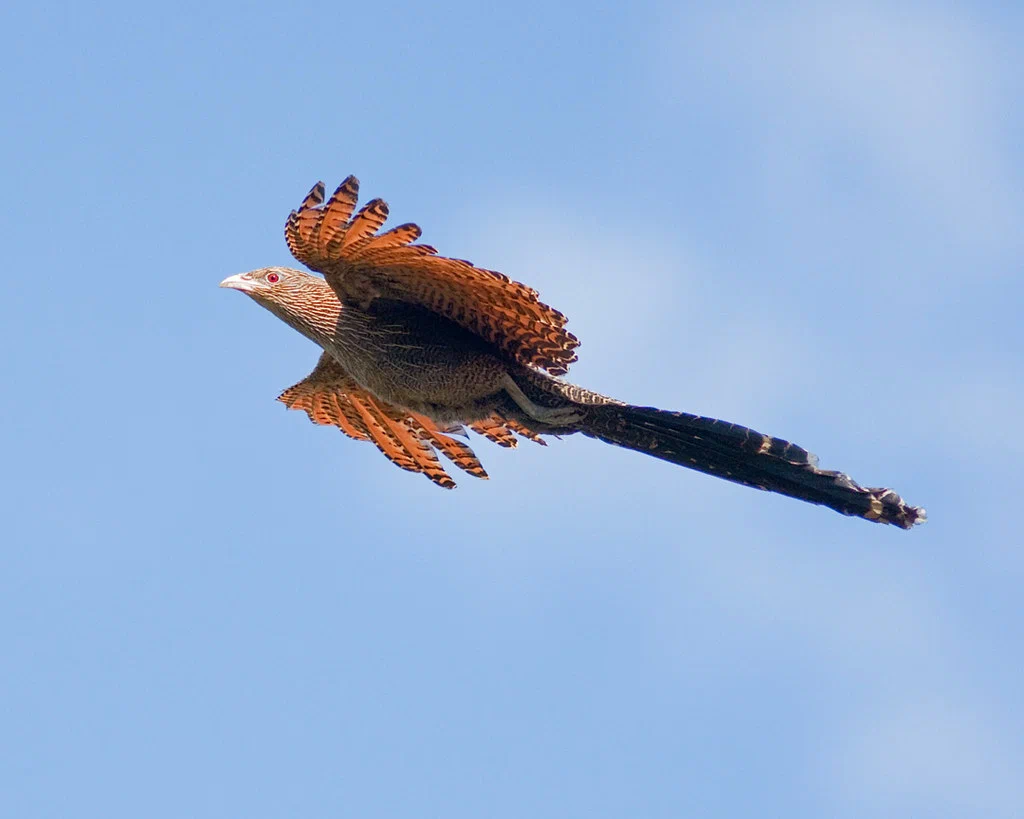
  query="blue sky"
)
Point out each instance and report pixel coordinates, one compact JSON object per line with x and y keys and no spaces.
{"x":808,"y":220}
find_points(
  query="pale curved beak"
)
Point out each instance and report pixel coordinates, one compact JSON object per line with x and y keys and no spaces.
{"x":238,"y":282}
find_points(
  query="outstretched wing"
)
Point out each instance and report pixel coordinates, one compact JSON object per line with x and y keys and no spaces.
{"x":329,"y":395}
{"x":361,"y":265}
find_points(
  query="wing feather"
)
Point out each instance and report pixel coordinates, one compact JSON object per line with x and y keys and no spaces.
{"x":421,"y":452}
{"x":495,"y":431}
{"x":503,"y":431}
{"x":302,"y":225}
{"x":397,"y":446}
{"x":364,"y":224}
{"x":362,"y":265}
{"x":337,"y":212}
{"x":396,"y":237}
{"x":457,"y":452}
{"x":330,"y":396}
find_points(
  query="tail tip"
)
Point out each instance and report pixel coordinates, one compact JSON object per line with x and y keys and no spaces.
{"x":885,"y":506}
{"x":915,"y":516}
{"x":904,"y":515}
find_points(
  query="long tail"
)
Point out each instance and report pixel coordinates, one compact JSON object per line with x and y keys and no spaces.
{"x":744,"y":456}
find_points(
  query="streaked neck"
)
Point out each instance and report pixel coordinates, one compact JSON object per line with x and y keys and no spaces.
{"x":311,"y":308}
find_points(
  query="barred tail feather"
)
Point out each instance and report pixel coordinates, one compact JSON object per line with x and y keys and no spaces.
{"x":744,"y":456}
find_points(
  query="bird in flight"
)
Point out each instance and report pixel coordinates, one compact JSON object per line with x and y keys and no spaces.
{"x":417,"y":347}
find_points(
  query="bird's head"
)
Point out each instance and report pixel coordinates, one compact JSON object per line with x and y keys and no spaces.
{"x":302,"y":300}
{"x":267,"y":283}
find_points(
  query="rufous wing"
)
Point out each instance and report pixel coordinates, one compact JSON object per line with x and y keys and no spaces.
{"x":361,"y":265}
{"x":330,"y":396}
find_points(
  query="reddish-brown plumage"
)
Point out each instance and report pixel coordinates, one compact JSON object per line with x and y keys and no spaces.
{"x":361,"y":265}
{"x":418,"y":346}
{"x":329,"y":396}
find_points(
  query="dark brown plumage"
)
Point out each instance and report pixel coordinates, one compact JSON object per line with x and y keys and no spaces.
{"x":419,"y":346}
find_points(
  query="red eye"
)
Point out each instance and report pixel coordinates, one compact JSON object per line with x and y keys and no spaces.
{"x":273,"y":278}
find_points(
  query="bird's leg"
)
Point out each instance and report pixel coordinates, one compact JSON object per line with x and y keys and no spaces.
{"x":550,"y":416}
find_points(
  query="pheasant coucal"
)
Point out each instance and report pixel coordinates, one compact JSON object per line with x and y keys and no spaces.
{"x":417,"y":346}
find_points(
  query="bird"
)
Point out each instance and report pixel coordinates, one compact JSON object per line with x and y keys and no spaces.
{"x":417,"y":348}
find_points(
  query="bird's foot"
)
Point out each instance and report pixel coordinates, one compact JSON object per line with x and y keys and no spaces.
{"x":556,"y":416}
{"x":564,"y":416}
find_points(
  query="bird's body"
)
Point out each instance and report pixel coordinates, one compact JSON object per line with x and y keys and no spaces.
{"x":410,"y":357}
{"x":418,"y":346}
